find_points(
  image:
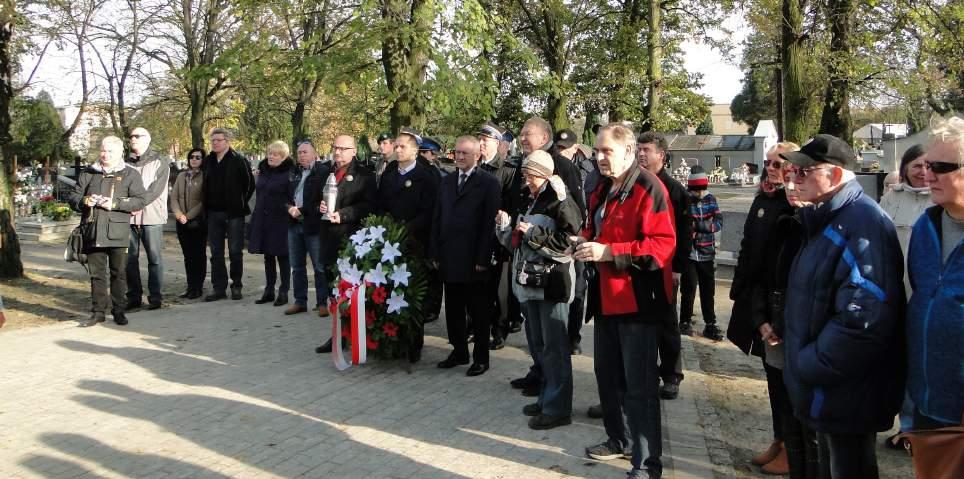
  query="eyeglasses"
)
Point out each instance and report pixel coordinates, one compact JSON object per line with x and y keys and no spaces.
{"x":803,"y":173}
{"x":941,"y":167}
{"x":339,"y":149}
{"x":134,"y":137}
{"x":777,"y":164}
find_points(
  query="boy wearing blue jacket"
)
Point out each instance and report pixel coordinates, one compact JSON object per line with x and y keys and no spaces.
{"x":700,"y":266}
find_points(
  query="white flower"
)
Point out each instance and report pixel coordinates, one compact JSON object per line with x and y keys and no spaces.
{"x":359,"y":237}
{"x":396,"y":302}
{"x":352,"y":275}
{"x":334,"y":292}
{"x":375,"y":233}
{"x":376,"y":276}
{"x":400,"y":275}
{"x":343,"y":264}
{"x":362,"y":250}
{"x":390,"y":252}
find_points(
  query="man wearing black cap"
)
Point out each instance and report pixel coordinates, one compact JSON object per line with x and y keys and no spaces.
{"x":407,"y":192}
{"x":844,"y":312}
{"x":490,"y":136}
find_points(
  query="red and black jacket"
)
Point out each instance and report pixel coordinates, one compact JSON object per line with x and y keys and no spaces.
{"x":638,"y":225}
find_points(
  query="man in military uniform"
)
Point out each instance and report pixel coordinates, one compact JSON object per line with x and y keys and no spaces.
{"x":385,"y":150}
{"x":407,"y":192}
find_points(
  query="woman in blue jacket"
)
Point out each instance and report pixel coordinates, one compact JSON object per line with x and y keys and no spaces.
{"x":935,"y":315}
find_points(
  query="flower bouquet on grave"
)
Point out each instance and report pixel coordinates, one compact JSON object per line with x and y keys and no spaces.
{"x":378,"y":294}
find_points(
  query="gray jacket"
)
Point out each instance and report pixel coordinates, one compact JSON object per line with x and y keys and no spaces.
{"x":154,"y":173}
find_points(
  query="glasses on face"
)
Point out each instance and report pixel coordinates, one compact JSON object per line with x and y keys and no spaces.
{"x":339,"y":149}
{"x":941,"y":167}
{"x":800,"y":174}
{"x":134,"y":137}
{"x":776,"y":164}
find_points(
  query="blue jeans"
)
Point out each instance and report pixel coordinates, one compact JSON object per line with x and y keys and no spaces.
{"x":547,"y":326}
{"x":220,"y":227}
{"x":152,"y":236}
{"x":628,"y":381}
{"x":300,"y":245}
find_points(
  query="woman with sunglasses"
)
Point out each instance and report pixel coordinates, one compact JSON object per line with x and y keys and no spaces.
{"x":751,"y":320}
{"x":187,"y":203}
{"x":935,"y":317}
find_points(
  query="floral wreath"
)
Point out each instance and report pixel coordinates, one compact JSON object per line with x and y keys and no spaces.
{"x":377,"y":296}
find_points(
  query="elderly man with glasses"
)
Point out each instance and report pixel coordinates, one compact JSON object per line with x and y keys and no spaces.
{"x":147,"y":225}
{"x":844,"y":312}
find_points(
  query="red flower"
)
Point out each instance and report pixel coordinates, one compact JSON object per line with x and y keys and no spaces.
{"x":343,"y":287}
{"x":369,"y":318}
{"x":371,"y":343}
{"x":332,"y":306}
{"x":390,"y":328}
{"x":345,"y":332}
{"x":379,"y":295}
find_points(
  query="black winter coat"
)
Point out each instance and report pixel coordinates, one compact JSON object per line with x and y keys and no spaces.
{"x":356,"y":200}
{"x":684,"y":224}
{"x":314,"y":185}
{"x":410,"y":199}
{"x":787,"y":240}
{"x":462,"y":227}
{"x":269,"y":222}
{"x":755,"y":269}
{"x":236,"y":183}
{"x":112,"y":227}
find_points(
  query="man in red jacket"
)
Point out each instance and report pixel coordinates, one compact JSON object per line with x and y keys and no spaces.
{"x":629,"y":239}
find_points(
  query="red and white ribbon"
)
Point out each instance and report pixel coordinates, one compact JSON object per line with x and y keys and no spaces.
{"x":359,"y":340}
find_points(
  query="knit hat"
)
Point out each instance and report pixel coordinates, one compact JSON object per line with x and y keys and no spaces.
{"x":697,"y":179}
{"x":539,"y":163}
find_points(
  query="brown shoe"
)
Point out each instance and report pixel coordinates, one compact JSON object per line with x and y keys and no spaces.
{"x":322,"y":311}
{"x":295,"y":309}
{"x":778,"y":466}
{"x":768,"y":455}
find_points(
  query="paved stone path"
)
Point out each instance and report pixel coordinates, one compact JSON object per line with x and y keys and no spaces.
{"x":234,"y":389}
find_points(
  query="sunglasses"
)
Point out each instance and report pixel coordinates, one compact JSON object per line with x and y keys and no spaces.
{"x":941,"y":167}
{"x":777,"y":164}
{"x":803,"y":173}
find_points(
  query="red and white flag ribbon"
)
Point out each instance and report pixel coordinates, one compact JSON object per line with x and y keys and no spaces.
{"x":359,"y":340}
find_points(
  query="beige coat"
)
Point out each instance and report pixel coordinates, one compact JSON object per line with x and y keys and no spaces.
{"x":187,"y":198}
{"x":905,"y":204}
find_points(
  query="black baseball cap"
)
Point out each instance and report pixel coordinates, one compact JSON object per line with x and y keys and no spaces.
{"x":565,"y":139}
{"x":823,"y":148}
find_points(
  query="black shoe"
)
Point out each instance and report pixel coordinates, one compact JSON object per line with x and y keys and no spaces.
{"x":497,"y":343}
{"x":281,"y":300}
{"x":669,"y":390}
{"x":215,"y":296}
{"x":607,"y":451}
{"x":685,"y":329}
{"x":515,"y":327}
{"x":119,"y":318}
{"x":430,"y":317}
{"x":595,"y":411}
{"x":532,"y":410}
{"x":133,"y":304}
{"x":153,"y":306}
{"x":267,"y":297}
{"x":477,"y":369}
{"x":712,"y":332}
{"x":531,"y":391}
{"x":92,"y":320}
{"x":195,"y":293}
{"x":236,"y":293}
{"x":187,"y":294}
{"x":520,"y":383}
{"x":324,"y":348}
{"x":575,"y":348}
{"x":452,"y":361}
{"x":414,"y":356}
{"x":544,"y":421}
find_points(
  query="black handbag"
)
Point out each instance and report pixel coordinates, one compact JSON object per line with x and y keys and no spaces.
{"x":75,"y":251}
{"x":552,"y":278}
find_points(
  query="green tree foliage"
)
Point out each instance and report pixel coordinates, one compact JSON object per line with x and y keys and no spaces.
{"x":36,"y":130}
{"x":706,"y":126}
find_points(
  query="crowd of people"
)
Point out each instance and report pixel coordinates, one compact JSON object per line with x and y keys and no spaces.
{"x":604,"y":234}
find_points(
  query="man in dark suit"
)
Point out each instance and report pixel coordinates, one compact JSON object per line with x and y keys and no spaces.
{"x":356,"y":200}
{"x":407,"y":192}
{"x":461,"y":247}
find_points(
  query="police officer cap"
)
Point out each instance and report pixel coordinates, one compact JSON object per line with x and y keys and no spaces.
{"x":507,"y":136}
{"x":412,"y":133}
{"x":384,"y":136}
{"x":490,"y":130}
{"x":430,"y":144}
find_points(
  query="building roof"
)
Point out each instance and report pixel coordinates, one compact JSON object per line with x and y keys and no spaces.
{"x":678,"y":142}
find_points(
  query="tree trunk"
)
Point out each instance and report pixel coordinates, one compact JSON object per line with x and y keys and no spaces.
{"x":11,"y":265}
{"x":197,"y":93}
{"x":796,"y":104}
{"x":405,"y":52}
{"x":655,"y":65}
{"x":298,"y":120}
{"x":836,"y":107}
